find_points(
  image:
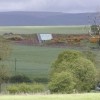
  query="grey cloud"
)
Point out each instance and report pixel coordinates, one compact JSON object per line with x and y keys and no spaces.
{"x":50,"y":5}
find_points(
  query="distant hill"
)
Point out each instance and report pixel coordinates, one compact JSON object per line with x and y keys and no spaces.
{"x":22,"y":18}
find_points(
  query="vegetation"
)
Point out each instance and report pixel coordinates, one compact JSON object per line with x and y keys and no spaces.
{"x":4,"y":75}
{"x":4,"y":52}
{"x":20,"y":79}
{"x":4,"y":49}
{"x":82,"y":73}
{"x":62,"y":83}
{"x":34,"y":62}
{"x":95,"y":29}
{"x":41,"y":80}
{"x":26,"y":88}
{"x":13,"y":37}
{"x":90,"y":96}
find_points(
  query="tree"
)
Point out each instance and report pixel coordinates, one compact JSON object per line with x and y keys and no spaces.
{"x":4,"y":49}
{"x":96,"y":32}
{"x":4,"y":53}
{"x":75,"y":63}
{"x":4,"y":74}
{"x":95,"y":29}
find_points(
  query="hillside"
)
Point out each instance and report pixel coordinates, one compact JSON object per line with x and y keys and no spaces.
{"x":21,"y":18}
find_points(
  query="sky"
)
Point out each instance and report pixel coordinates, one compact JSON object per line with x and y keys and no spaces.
{"x":67,"y":6}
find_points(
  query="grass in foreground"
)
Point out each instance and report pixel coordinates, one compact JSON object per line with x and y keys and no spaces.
{"x":89,"y":96}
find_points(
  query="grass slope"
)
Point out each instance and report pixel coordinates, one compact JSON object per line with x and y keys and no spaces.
{"x":91,"y":96}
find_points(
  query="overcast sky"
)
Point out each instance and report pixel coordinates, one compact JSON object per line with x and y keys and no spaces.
{"x":68,"y":6}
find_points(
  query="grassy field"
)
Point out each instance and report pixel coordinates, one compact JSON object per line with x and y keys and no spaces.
{"x":35,"y":61}
{"x":45,"y":29}
{"x":91,"y":96}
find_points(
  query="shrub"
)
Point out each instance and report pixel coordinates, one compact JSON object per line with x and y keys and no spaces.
{"x":20,"y":79}
{"x":38,"y":88}
{"x":14,"y":37}
{"x":83,"y":70}
{"x":13,"y":89}
{"x":62,"y":83}
{"x":41,"y":80}
{"x":25,"y":88}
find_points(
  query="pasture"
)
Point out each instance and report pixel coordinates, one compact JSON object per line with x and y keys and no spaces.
{"x":45,"y":29}
{"x":89,"y":96}
{"x":35,"y":61}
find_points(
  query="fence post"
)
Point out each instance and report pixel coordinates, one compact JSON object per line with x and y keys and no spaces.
{"x":15,"y":65}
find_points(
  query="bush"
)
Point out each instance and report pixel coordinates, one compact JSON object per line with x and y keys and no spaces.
{"x":14,"y":37}
{"x":41,"y":80}
{"x":13,"y":89}
{"x":38,"y":88}
{"x":62,"y":83}
{"x":25,"y":88}
{"x":20,"y":79}
{"x":83,"y":70}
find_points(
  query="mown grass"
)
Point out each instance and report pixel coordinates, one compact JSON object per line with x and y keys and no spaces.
{"x":45,"y":29}
{"x":89,"y":96}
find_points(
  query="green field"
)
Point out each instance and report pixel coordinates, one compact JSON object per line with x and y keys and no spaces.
{"x":44,"y":29}
{"x":35,"y":61}
{"x":91,"y":96}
